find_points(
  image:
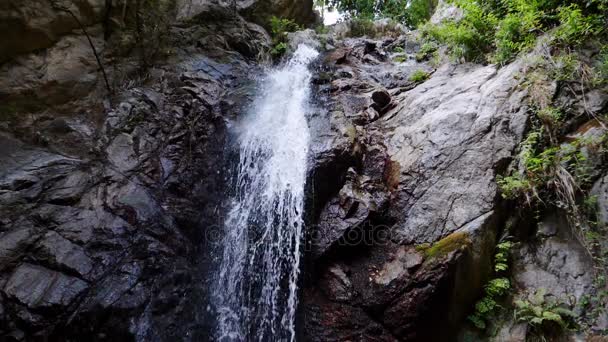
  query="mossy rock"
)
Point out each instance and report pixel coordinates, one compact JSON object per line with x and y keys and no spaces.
{"x":443,"y":247}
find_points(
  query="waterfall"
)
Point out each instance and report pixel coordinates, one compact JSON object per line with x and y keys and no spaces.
{"x":255,"y":293}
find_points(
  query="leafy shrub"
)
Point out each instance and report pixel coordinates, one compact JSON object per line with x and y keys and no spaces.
{"x":486,"y":308}
{"x":600,"y":75}
{"x":356,"y":8}
{"x":550,"y":116}
{"x":427,"y":49}
{"x":360,"y":27}
{"x":279,"y":49}
{"x":513,"y":187}
{"x":321,"y":29}
{"x":497,"y":30}
{"x":419,"y":76}
{"x":551,"y":173}
{"x":470,"y":38}
{"x":279,"y":27}
{"x":575,"y":26}
{"x":515,"y":32}
{"x":410,"y":12}
{"x":543,"y":316}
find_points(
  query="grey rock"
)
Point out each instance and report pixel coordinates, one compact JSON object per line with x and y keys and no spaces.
{"x":403,"y":263}
{"x":63,"y":254}
{"x":600,"y":190}
{"x":66,"y":71}
{"x":337,"y":284}
{"x":306,"y":37}
{"x":255,"y":10}
{"x":381,"y":97}
{"x":39,"y":287}
{"x":558,"y":264}
{"x":110,"y":243}
{"x":425,"y":171}
{"x":34,"y":24}
{"x":512,"y":333}
{"x":14,"y":243}
{"x":69,"y":188}
{"x":446,"y":11}
{"x":461,"y":124}
{"x":121,"y":152}
{"x":356,"y":201}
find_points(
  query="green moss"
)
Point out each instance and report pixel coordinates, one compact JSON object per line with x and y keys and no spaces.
{"x":360,"y":27}
{"x":443,"y":247}
{"x":419,"y":76}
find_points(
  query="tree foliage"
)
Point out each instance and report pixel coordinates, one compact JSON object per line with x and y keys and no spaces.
{"x":410,"y":12}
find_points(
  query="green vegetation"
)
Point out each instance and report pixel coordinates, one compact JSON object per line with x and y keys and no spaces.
{"x":594,"y":305}
{"x":409,"y":12}
{"x":487,"y":307}
{"x":419,"y":76}
{"x":496,"y":31}
{"x":489,"y":31}
{"x":544,"y":317}
{"x":443,"y":247}
{"x":427,"y":50}
{"x":601,"y":67}
{"x":279,"y":27}
{"x":279,"y":49}
{"x":552,"y":173}
{"x":360,"y":27}
{"x":555,"y":171}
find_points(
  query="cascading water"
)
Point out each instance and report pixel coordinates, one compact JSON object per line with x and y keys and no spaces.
{"x":255,"y":292}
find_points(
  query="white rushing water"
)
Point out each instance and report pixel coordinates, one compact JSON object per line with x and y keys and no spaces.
{"x":256,"y":290}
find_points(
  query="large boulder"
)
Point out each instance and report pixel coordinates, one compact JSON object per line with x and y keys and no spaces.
{"x":408,"y":239}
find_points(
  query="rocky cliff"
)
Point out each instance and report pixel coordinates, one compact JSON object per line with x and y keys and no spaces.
{"x":111,"y":192}
{"x":403,"y":246}
{"x":107,"y":198}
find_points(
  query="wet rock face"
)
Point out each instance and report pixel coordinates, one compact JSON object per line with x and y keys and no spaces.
{"x":258,"y":11}
{"x":424,"y":161}
{"x":104,"y":223}
{"x":34,"y":24}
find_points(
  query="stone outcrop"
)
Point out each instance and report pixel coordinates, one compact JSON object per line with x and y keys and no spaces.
{"x":421,"y":172}
{"x":47,"y":60}
{"x":258,"y":11}
{"x":105,"y":213}
{"x":30,"y":25}
{"x":407,"y":240}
